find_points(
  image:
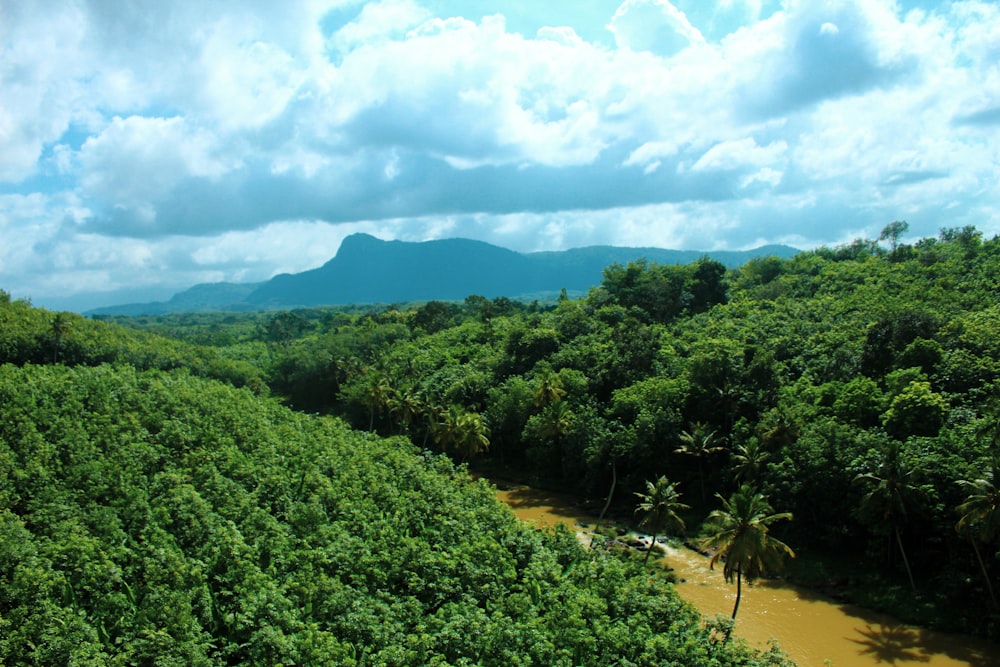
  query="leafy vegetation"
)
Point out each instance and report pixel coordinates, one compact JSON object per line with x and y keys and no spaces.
{"x":855,"y":387}
{"x":741,"y":541}
{"x":815,"y":379}
{"x":152,"y":516}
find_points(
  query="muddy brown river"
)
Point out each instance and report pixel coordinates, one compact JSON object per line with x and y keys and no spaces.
{"x":813,"y":630}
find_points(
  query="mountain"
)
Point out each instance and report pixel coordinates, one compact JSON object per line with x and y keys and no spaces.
{"x":369,"y":270}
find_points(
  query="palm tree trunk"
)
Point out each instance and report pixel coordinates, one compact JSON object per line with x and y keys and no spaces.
{"x":739,"y":592}
{"x":652,"y":543}
{"x":906,"y":561}
{"x":986,"y":576}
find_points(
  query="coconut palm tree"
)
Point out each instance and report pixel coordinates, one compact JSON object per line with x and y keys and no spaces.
{"x":750,"y":459}
{"x":550,"y":389}
{"x":406,"y":405}
{"x":741,"y":540}
{"x":378,"y":393}
{"x":892,"y":492}
{"x":659,"y":507}
{"x":471,"y":437}
{"x":981,"y":514}
{"x":699,"y":442}
{"x":60,"y":327}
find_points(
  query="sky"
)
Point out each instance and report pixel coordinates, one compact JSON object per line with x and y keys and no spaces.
{"x":147,"y":146}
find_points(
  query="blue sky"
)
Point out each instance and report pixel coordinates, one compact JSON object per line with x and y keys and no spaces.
{"x":148,"y":146}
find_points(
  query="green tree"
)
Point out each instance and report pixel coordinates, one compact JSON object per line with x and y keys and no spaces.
{"x":741,"y":539}
{"x":472,"y":437}
{"x":699,"y":443}
{"x":377,"y":396}
{"x":659,"y":508}
{"x":891,"y":493}
{"x":549,"y":390}
{"x":892,"y":232}
{"x":916,"y":410}
{"x":750,"y":459}
{"x":60,"y":327}
{"x":406,"y":405}
{"x":980,"y":514}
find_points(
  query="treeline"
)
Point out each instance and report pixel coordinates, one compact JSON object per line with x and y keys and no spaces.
{"x":151,"y":516}
{"x":35,"y":336}
{"x":855,"y":386}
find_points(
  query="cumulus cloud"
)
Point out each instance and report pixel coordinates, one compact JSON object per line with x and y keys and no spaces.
{"x":181,"y":142}
{"x":656,"y":26}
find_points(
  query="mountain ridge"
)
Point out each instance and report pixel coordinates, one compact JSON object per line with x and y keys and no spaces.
{"x":366,"y":269}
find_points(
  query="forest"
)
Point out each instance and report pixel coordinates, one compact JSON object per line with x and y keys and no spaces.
{"x":292,"y":487}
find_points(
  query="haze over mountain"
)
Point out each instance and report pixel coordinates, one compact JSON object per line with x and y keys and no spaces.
{"x":369,"y":270}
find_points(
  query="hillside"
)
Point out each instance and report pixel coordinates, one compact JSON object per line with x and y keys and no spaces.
{"x":856,"y":387}
{"x":155,"y":517}
{"x":367,"y":270}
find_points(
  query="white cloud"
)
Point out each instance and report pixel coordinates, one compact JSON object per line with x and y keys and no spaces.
{"x":740,"y":153}
{"x":656,"y":26}
{"x":137,"y":160}
{"x":154,"y":141}
{"x":39,"y":70}
{"x":379,"y":21}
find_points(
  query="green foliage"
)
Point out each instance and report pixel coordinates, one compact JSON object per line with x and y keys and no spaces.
{"x":659,"y":508}
{"x":807,"y":371}
{"x":741,"y":538}
{"x":153,"y":517}
{"x":36,"y":336}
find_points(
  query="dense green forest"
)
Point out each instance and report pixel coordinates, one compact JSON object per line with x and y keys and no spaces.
{"x":855,"y":386}
{"x":159,"y":507}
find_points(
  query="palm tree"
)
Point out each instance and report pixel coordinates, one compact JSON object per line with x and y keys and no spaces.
{"x":699,"y":443}
{"x":557,"y":421}
{"x":377,"y":396}
{"x":750,"y":459}
{"x":741,"y":539}
{"x":60,"y":327}
{"x":445,"y":426}
{"x":465,"y":432}
{"x":892,"y":492}
{"x":981,"y":514}
{"x":406,"y":405}
{"x":550,"y":389}
{"x":659,"y":507}
{"x":471,"y":437}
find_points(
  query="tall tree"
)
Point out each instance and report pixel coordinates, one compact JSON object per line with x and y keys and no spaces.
{"x":892,"y":490}
{"x":980,"y":514}
{"x":378,"y":393}
{"x":659,"y":508}
{"x":550,"y":389}
{"x":741,"y":541}
{"x":406,"y":405}
{"x":699,"y":442}
{"x":749,"y":461}
{"x":60,"y":327}
{"x":892,"y":232}
{"x":465,"y":432}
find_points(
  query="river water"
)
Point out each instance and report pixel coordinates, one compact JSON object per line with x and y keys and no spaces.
{"x":813,"y":630}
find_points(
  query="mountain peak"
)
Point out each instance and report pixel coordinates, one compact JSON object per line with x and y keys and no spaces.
{"x":369,"y":270}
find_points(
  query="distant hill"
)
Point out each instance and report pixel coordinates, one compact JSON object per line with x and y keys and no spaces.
{"x":369,"y":270}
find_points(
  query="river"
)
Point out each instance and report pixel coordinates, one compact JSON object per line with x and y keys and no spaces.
{"x":813,"y":630}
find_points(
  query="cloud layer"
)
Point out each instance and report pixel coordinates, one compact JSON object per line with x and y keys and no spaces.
{"x":164,"y":144}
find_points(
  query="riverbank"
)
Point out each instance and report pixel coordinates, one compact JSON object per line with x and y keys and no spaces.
{"x":811,"y":627}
